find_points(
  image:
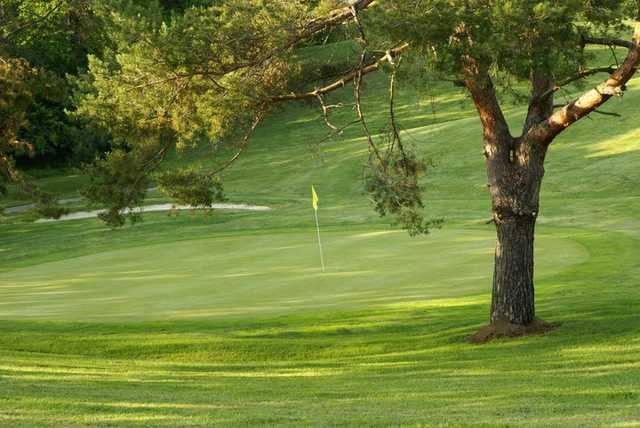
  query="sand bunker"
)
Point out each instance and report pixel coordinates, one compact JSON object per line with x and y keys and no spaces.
{"x":158,"y":207}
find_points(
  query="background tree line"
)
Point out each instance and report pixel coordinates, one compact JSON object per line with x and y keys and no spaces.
{"x":45,"y":50}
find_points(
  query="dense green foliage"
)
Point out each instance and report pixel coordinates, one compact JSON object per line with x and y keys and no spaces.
{"x":510,"y":37}
{"x":198,"y":76}
{"x":118,"y":180}
{"x":53,"y":39}
{"x":20,"y":86}
{"x":191,"y":187}
{"x":44,"y":47}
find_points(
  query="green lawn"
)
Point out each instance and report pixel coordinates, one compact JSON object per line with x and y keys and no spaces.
{"x":265,"y":274}
{"x":224,"y":319}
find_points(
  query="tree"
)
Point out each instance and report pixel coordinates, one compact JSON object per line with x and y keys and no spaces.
{"x":212,"y":71}
{"x":52,"y":39}
{"x":41,"y":43}
{"x":543,"y":42}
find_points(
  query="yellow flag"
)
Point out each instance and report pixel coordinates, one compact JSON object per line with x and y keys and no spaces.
{"x":314,"y":198}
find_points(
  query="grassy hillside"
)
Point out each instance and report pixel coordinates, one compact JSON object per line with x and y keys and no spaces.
{"x":224,"y":319}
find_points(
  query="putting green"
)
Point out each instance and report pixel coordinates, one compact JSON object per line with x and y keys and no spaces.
{"x":271,"y":274}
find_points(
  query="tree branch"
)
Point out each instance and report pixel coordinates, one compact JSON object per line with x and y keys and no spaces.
{"x":480,"y":86}
{"x":541,"y":106}
{"x":607,"y":42}
{"x":615,"y":85}
{"x":541,"y":103}
{"x":582,"y":75}
{"x":304,"y":32}
{"x":395,"y":131}
{"x":244,"y":143}
{"x":325,"y":113}
{"x":357,"y":92}
{"x":335,"y":17}
{"x":605,"y":113}
{"x":364,"y":70}
{"x":308,"y":30}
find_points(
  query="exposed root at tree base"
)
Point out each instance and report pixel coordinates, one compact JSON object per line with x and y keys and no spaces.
{"x":500,"y":329}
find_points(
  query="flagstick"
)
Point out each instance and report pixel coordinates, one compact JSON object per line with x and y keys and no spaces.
{"x":319,"y":241}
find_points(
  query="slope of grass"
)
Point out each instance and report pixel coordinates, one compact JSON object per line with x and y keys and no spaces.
{"x":223,"y":319}
{"x":393,"y":364}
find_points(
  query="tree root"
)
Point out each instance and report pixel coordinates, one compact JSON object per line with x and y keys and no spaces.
{"x":501,"y":329}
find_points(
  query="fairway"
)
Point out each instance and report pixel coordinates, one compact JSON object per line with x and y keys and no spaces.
{"x":264,"y":274}
{"x":376,"y":365}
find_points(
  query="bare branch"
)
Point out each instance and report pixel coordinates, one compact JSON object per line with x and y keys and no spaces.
{"x":396,"y":139}
{"x":356,"y":19}
{"x":357,"y":87}
{"x":607,"y":113}
{"x":361,"y":71}
{"x":244,"y":142}
{"x":357,"y":91}
{"x":581,"y":75}
{"x":335,"y":17}
{"x":607,"y":42}
{"x":338,"y":131}
{"x":325,"y":113}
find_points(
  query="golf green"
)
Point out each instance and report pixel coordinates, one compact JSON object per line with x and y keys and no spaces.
{"x":260,"y":274}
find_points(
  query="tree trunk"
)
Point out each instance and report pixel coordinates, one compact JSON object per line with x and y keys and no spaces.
{"x":513,"y":290}
{"x":515,"y":167}
{"x":515,"y":170}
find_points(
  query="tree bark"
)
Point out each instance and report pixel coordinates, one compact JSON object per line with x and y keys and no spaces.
{"x":515,"y":178}
{"x":514,"y":171}
{"x":513,"y":289}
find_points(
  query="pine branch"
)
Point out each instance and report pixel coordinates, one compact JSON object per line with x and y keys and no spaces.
{"x":365,"y":69}
{"x":588,"y":102}
{"x":607,"y":42}
{"x":33,"y":23}
{"x":581,"y":75}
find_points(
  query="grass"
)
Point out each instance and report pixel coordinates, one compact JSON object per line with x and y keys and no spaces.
{"x":223,"y":319}
{"x":262,"y":274}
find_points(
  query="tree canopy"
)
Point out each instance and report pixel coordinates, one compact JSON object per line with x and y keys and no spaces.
{"x":211,"y":71}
